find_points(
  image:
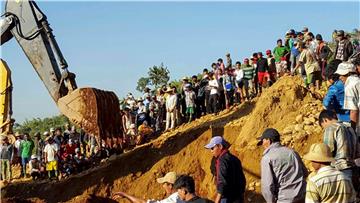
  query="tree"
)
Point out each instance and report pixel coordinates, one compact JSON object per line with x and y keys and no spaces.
{"x":41,"y":125}
{"x":142,"y":83}
{"x":159,"y":75}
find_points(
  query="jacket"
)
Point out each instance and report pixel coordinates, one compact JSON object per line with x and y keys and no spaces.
{"x":334,"y":100}
{"x":230,"y":178}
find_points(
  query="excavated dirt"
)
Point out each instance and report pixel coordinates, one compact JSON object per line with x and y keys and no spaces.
{"x":286,"y":106}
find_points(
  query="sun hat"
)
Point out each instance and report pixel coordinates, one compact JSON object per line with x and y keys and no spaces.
{"x":34,"y":156}
{"x":319,"y":152}
{"x":168,"y":178}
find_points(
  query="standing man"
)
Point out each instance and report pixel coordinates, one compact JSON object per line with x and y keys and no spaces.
{"x":343,"y":143}
{"x":328,"y":184}
{"x":168,"y":185}
{"x":230,"y":178}
{"x":249,"y":72}
{"x":185,"y":186}
{"x":283,"y":173}
{"x":344,"y":48}
{"x":279,"y":51}
{"x":6,"y":156}
{"x":170,"y":109}
{"x":26,"y":150}
{"x":352,"y":92}
{"x":263,"y":68}
{"x":51,"y":154}
{"x":228,"y":61}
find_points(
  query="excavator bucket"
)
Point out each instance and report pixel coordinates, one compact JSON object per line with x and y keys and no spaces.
{"x":95,"y":111}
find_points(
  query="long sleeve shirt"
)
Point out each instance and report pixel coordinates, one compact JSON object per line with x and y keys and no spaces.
{"x":171,"y":102}
{"x":282,"y":174}
{"x":334,"y":100}
{"x":262,"y":65}
{"x":214,"y":85}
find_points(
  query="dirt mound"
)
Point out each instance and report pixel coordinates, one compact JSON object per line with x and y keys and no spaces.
{"x":286,"y":106}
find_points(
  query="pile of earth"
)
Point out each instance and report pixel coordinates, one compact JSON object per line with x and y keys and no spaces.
{"x":286,"y":106}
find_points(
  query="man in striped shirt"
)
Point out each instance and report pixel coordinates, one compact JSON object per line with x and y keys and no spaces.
{"x":248,"y":78}
{"x":328,"y":184}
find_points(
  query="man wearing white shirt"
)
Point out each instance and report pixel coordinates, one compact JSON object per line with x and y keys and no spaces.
{"x":170,"y":109}
{"x":167,"y":183}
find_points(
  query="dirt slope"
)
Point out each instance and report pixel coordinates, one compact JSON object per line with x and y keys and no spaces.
{"x":286,"y":106}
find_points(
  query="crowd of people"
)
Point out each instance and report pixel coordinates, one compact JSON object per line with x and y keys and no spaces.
{"x":55,"y":155}
{"x":283,"y":174}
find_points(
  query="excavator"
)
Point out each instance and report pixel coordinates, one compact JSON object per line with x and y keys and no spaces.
{"x":96,"y":111}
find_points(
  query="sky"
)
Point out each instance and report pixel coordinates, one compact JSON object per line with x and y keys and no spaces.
{"x":110,"y":45}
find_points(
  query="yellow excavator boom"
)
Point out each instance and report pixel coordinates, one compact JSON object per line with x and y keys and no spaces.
{"x":5,"y":99}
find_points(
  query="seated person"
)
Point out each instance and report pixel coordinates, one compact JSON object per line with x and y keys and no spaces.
{"x":35,"y":167}
{"x":144,"y":132}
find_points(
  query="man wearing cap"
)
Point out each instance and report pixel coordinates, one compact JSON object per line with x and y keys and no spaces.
{"x":352,"y":92}
{"x":328,"y":184}
{"x":230,"y":178}
{"x":283,"y":173}
{"x":168,"y":185}
{"x":6,"y":156}
{"x":51,"y":154}
{"x":344,"y":48}
{"x":323,"y":52}
{"x":171,"y":102}
{"x":35,"y":167}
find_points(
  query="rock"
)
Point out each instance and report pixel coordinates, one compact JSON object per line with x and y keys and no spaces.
{"x":251,"y":188}
{"x":307,"y":122}
{"x":288,"y":130}
{"x":299,"y":127}
{"x":257,"y":184}
{"x":299,"y":118}
{"x":312,"y":119}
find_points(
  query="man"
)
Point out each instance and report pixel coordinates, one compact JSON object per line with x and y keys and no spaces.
{"x":168,"y":185}
{"x":279,"y":51}
{"x":344,"y":48}
{"x":323,"y":52}
{"x":352,"y":90}
{"x":263,"y":68}
{"x":230,"y":178}
{"x":213,"y":105}
{"x":185,"y":186}
{"x":228,"y":84}
{"x":26,"y":149}
{"x":328,"y":184}
{"x":334,"y":98}
{"x":170,"y":109}
{"x":272,"y":67}
{"x":35,"y":167}
{"x":308,"y":59}
{"x":6,"y":156}
{"x":282,"y":171}
{"x":38,"y":145}
{"x":239,"y":83}
{"x":343,"y":142}
{"x":51,"y":154}
{"x":228,"y":61}
{"x":249,"y":72}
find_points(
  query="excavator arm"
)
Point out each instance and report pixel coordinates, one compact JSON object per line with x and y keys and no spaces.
{"x":96,"y":111}
{"x":6,"y":121}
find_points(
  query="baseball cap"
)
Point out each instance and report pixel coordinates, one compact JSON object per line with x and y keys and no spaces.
{"x":345,"y":68}
{"x":269,"y":133}
{"x":340,"y":33}
{"x":214,"y":141}
{"x":305,"y":29}
{"x":34,"y":156}
{"x":168,"y":178}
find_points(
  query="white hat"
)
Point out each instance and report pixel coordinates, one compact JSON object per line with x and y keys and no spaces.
{"x":46,"y":133}
{"x":168,"y":178}
{"x":344,"y":68}
{"x":319,"y":152}
{"x":52,"y":130}
{"x":132,"y":125}
{"x":34,"y":156}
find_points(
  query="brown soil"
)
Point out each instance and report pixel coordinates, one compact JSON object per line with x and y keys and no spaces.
{"x":286,"y":106}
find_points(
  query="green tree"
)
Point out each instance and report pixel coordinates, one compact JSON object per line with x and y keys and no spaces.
{"x":41,"y":125}
{"x":159,"y":75}
{"x":142,"y":83}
